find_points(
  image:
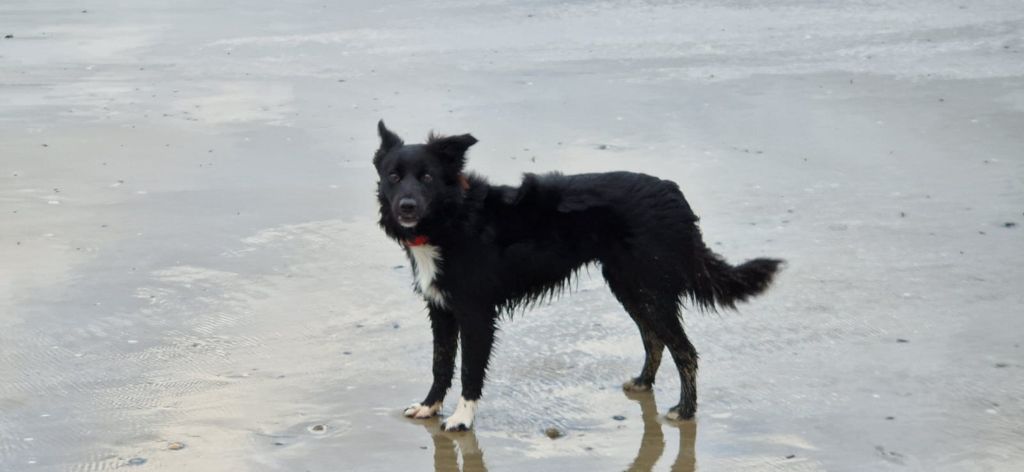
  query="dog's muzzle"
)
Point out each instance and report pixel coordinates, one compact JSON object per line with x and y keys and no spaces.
{"x":407,"y":212}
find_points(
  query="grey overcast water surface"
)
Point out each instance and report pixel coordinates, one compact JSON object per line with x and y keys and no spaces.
{"x":189,"y":253}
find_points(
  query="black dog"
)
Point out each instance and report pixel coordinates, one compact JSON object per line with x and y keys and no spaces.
{"x":480,"y":250}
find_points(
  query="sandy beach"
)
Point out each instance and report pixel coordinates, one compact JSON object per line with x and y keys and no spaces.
{"x":192,"y":277}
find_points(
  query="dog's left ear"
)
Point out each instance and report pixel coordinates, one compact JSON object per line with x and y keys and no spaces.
{"x":453,"y":148}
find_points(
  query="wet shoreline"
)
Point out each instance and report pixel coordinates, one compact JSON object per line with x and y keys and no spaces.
{"x":192,"y":276}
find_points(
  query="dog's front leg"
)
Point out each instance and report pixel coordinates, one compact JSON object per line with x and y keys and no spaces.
{"x":477,"y":336}
{"x":446,"y":332}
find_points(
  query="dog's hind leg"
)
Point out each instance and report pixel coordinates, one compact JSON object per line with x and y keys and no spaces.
{"x":477,"y":335}
{"x":649,"y":291}
{"x":653,"y":349}
{"x":446,"y":333}
{"x":667,"y":326}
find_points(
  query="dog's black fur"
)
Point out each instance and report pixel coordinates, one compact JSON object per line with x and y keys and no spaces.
{"x":502,"y":248}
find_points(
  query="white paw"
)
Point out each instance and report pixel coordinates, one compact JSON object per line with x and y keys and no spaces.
{"x":462,"y":419}
{"x":632,"y":386}
{"x":422,"y":411}
{"x":676,"y":414}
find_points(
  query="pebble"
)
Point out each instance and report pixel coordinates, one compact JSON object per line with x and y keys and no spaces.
{"x":318,"y":428}
{"x":137,"y":461}
{"x":176,"y":446}
{"x":619,"y":418}
{"x":10,"y":36}
{"x":553,"y":433}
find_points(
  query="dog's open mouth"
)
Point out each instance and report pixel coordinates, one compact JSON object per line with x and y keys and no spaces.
{"x":407,"y":221}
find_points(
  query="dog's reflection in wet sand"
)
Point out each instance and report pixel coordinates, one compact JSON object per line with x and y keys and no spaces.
{"x":652,"y":444}
{"x":449,"y":447}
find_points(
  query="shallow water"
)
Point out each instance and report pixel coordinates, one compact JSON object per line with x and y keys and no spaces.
{"x":192,"y":277}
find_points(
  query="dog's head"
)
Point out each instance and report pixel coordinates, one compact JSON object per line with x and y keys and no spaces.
{"x":416,"y":178}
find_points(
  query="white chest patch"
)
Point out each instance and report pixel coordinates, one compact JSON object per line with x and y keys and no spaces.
{"x":427,"y":259}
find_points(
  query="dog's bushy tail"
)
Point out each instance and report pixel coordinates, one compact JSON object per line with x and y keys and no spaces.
{"x":719,"y":284}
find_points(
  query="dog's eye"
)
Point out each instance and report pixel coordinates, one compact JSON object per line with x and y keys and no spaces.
{"x":394,"y":178}
{"x":427,"y":178}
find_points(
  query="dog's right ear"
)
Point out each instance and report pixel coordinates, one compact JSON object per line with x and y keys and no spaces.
{"x":388,"y":141}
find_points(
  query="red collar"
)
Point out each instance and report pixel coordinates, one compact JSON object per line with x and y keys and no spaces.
{"x":417,"y":241}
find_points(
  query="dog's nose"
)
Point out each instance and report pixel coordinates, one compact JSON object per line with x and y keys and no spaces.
{"x":407,"y":205}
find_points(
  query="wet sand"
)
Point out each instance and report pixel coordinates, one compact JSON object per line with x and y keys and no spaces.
{"x":191,"y":277}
